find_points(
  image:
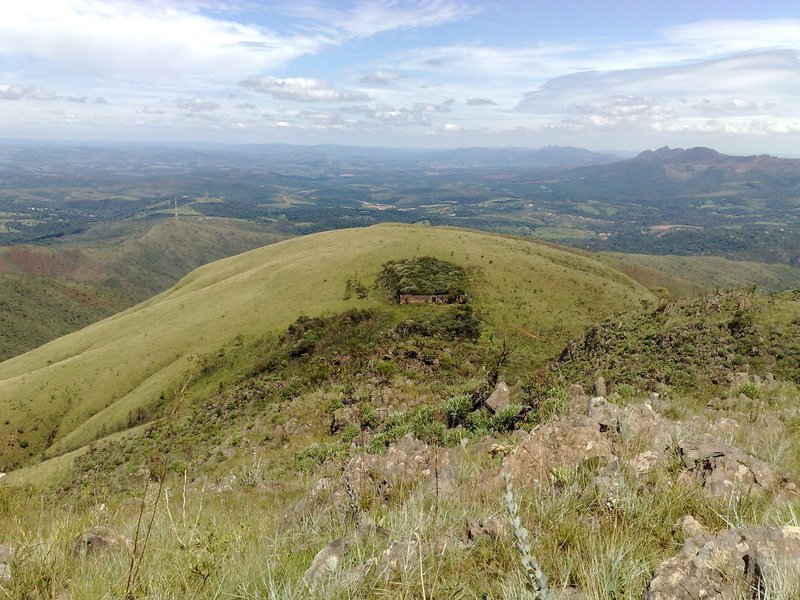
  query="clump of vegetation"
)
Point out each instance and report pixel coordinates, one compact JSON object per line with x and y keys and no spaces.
{"x":425,"y":275}
{"x":456,"y":322}
{"x":354,"y":285}
{"x":690,"y":346}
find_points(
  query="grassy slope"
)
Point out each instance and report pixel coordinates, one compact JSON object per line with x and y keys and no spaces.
{"x":82,"y":386}
{"x":47,"y":292}
{"x":691,"y":275}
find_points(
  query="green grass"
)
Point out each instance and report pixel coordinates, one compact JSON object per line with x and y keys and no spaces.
{"x":692,"y":275}
{"x":691,"y":345}
{"x":49,"y":291}
{"x":83,"y":386}
{"x":255,"y":418}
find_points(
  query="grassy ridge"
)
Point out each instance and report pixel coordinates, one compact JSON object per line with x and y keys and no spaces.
{"x":47,"y":292}
{"x":80,"y":387}
{"x":692,"y":275}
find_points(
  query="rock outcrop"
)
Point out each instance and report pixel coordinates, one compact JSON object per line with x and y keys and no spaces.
{"x":733,"y":564}
{"x":557,"y":444}
{"x":6,"y":558}
{"x":99,"y":540}
{"x":500,"y":398}
{"x":326,"y":561}
{"x":724,"y":470}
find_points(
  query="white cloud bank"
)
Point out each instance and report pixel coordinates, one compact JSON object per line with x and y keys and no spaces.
{"x":301,"y":89}
{"x":191,"y":68}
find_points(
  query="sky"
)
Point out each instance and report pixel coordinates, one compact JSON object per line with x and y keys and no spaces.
{"x":613,"y":76}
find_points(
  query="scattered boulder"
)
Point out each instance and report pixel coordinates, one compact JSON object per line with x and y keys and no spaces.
{"x":326,"y":561}
{"x":557,"y":444}
{"x":724,"y":470}
{"x":344,"y":417}
{"x":646,"y":462}
{"x":689,"y":527}
{"x":738,"y":380}
{"x":500,"y":398}
{"x":100,"y":540}
{"x":400,"y":556}
{"x":405,"y":462}
{"x":492,"y":528}
{"x":628,"y":421}
{"x":6,"y":558}
{"x":736,"y":563}
{"x":600,"y":388}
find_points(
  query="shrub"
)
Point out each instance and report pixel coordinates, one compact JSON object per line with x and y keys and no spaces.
{"x":506,"y":418}
{"x":457,"y":410}
{"x":477,"y":422}
{"x":423,"y":275}
{"x":385,"y":369}
{"x":749,"y":389}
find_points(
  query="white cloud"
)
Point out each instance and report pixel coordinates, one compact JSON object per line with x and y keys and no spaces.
{"x":382,"y":77}
{"x":301,"y":89}
{"x":718,"y":37}
{"x":145,"y":40}
{"x":676,"y":98}
{"x":427,"y":107}
{"x":20,"y":92}
{"x":370,"y":17}
{"x":396,"y":116}
{"x":480,"y":102}
{"x":197,"y":105}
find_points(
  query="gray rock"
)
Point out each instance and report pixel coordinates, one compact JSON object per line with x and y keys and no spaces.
{"x":738,"y":380}
{"x":724,"y":470}
{"x":399,"y":557}
{"x":646,"y":462}
{"x":736,"y":563}
{"x":100,"y":540}
{"x":689,"y":527}
{"x":492,"y":528}
{"x":557,"y":444}
{"x":500,"y":398}
{"x":6,"y":558}
{"x":344,"y":417}
{"x":326,"y":562}
{"x":599,"y":388}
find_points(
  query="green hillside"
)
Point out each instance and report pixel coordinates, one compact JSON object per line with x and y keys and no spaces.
{"x":73,"y":390}
{"x":273,"y":437}
{"x":49,"y":291}
{"x":693,"y":275}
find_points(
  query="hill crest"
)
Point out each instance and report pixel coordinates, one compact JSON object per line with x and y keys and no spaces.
{"x":85,"y":385}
